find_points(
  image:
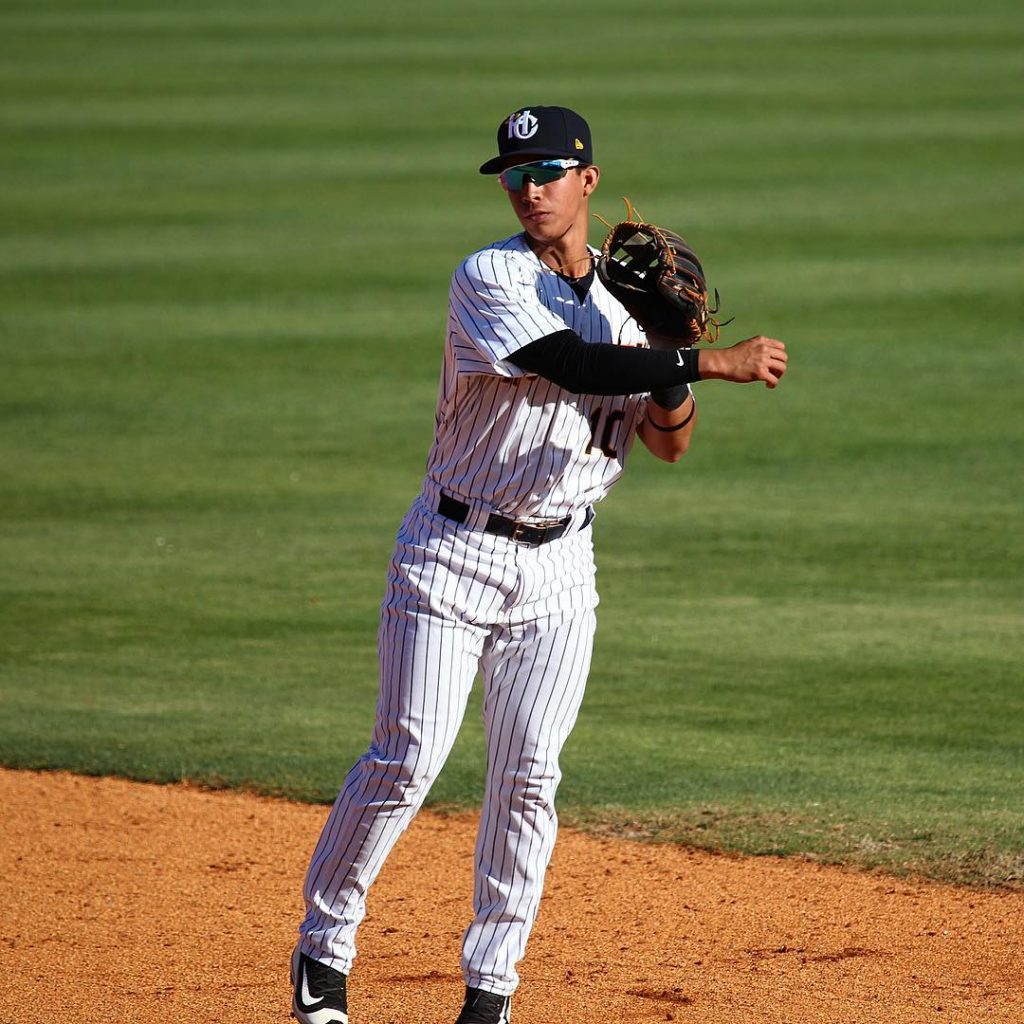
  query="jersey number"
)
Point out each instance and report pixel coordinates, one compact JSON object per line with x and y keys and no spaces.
{"x":606,"y":431}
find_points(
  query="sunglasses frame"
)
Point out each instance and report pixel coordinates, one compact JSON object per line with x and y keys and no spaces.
{"x":561,"y":166}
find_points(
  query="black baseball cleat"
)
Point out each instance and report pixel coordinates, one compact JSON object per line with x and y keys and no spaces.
{"x":483,"y":1007}
{"x":318,"y":992}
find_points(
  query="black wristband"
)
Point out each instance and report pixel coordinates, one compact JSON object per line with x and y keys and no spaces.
{"x":675,"y":426}
{"x":670,"y":399}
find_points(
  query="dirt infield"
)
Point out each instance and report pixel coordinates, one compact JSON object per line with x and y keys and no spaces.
{"x":126,"y":902}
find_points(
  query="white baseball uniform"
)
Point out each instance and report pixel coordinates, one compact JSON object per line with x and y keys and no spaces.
{"x":460,"y":599}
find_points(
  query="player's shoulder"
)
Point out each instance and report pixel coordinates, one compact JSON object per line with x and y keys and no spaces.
{"x":499,"y":262}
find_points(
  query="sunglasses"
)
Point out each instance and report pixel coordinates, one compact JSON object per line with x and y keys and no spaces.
{"x":543,"y":172}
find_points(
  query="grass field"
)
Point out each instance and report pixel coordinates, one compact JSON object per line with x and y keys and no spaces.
{"x":227,"y":235}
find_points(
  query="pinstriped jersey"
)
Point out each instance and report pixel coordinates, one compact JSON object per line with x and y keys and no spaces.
{"x":512,"y":440}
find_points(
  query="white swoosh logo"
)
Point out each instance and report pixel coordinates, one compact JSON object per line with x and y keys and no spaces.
{"x":308,"y":1003}
{"x":679,"y":359}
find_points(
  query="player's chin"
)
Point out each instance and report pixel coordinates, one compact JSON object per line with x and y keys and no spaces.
{"x":542,"y":227}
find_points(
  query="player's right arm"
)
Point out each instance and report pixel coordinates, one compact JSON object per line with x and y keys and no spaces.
{"x":595,"y":369}
{"x":754,"y":359}
{"x":498,"y":325}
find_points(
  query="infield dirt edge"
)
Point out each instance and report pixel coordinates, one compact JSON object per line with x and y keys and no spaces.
{"x":172,"y":902}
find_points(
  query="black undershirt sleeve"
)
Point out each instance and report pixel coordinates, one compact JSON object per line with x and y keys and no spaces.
{"x":565,"y":359}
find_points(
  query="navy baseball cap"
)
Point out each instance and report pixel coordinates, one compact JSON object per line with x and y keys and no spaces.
{"x":541,"y":133}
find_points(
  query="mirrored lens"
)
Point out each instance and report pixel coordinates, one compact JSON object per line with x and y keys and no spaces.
{"x":541,"y":173}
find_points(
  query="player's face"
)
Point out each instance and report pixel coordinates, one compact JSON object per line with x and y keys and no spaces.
{"x":549,"y":212}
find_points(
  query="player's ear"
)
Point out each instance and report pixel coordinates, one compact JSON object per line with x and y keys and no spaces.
{"x":590,"y":175}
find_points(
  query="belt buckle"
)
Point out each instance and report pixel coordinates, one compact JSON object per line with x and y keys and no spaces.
{"x":519,"y":533}
{"x":540,"y":531}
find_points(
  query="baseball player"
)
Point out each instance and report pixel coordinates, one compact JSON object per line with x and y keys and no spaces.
{"x":546,"y":383}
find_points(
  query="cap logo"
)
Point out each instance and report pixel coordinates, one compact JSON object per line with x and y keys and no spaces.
{"x":522,"y":125}
{"x":579,"y":145}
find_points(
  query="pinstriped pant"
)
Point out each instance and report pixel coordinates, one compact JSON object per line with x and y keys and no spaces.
{"x":459,"y":600}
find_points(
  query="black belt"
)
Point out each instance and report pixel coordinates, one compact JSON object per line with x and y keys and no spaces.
{"x":524,"y":533}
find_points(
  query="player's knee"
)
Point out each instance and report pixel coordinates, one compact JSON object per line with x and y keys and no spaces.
{"x":406,"y":772}
{"x":532,"y":785}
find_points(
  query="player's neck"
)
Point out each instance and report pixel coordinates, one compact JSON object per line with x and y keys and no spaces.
{"x":569,"y":254}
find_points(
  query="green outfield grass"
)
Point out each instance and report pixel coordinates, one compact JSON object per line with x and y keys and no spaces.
{"x":227,"y":232}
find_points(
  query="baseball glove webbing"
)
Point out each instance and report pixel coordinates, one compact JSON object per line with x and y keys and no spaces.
{"x":658,"y":277}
